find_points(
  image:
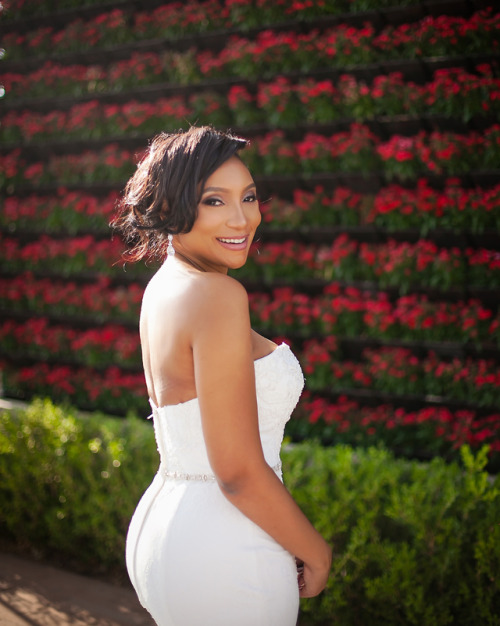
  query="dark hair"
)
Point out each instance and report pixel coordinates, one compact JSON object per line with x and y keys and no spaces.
{"x":162,"y":196}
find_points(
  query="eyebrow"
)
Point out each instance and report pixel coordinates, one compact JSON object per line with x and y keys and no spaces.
{"x":250,"y":186}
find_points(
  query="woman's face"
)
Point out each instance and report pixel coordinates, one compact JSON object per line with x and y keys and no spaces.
{"x":228,"y":216}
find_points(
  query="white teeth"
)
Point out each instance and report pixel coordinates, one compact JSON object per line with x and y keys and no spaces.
{"x":232,"y":240}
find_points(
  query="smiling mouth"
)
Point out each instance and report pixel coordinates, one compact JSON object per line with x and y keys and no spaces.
{"x":233,"y":240}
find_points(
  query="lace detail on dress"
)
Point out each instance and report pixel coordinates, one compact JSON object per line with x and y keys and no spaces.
{"x":279,"y":383}
{"x":178,"y":429}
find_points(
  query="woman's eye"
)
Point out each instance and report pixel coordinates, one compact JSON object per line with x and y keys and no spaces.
{"x":251,"y":198}
{"x":212,"y":201}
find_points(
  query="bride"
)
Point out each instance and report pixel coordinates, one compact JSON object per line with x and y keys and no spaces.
{"x":216,"y":540}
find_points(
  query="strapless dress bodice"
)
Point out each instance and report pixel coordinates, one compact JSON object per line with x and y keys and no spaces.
{"x":178,"y":428}
{"x":193,"y":556}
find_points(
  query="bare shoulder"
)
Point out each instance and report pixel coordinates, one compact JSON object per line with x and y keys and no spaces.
{"x":219,"y":298}
{"x":212,"y":286}
{"x":217,"y":323}
{"x":194,"y":305}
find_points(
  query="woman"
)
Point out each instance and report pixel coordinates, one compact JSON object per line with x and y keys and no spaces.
{"x":216,"y":539}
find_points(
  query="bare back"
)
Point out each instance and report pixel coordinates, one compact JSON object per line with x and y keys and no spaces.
{"x":172,"y":308}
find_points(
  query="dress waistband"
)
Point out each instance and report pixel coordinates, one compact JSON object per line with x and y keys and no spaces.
{"x":200,"y":477}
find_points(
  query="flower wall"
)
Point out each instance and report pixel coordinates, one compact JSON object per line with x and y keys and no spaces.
{"x":375,"y":143}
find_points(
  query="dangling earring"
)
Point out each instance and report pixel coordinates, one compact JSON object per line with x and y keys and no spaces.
{"x":170,"y":246}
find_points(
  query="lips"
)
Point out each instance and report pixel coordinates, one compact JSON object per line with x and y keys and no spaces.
{"x":233,"y":243}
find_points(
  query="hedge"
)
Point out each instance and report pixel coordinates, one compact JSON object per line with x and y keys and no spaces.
{"x":69,"y":485}
{"x":413,"y":543}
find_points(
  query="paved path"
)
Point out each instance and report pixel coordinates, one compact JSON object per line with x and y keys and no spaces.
{"x":35,"y":594}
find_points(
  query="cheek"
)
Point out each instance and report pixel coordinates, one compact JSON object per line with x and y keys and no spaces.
{"x":255,"y":215}
{"x":208,"y":220}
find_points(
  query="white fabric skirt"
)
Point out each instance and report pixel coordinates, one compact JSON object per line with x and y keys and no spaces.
{"x":195,"y":560}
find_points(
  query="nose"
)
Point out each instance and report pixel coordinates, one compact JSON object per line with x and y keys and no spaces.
{"x":238,"y":217}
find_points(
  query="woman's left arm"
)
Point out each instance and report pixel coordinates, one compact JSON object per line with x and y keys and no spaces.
{"x":225,"y":382}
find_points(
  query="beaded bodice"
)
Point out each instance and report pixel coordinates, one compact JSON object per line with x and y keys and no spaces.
{"x":178,"y":430}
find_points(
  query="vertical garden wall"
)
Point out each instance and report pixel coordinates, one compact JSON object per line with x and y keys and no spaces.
{"x":376,"y":149}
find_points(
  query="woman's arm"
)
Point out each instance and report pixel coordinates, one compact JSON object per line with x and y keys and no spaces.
{"x":225,"y":384}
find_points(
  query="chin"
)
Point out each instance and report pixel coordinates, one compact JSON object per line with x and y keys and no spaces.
{"x":237,"y":266}
{"x":237,"y":260}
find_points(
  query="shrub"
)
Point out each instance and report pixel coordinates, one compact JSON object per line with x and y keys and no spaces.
{"x":69,"y":484}
{"x":413,"y":543}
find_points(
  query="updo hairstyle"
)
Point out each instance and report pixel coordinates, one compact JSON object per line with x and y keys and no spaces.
{"x":162,"y":197}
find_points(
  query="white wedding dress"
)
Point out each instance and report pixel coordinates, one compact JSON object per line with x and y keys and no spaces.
{"x":194,"y":559}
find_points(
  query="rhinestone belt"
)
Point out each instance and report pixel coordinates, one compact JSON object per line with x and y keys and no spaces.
{"x":201,"y":477}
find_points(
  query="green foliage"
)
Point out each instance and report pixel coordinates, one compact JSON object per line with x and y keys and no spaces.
{"x":413,"y":543}
{"x":69,"y":484}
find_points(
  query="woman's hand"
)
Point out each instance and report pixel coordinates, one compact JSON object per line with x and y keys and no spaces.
{"x":225,"y":385}
{"x":312,"y":578}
